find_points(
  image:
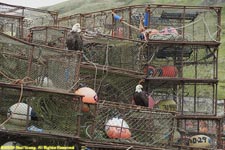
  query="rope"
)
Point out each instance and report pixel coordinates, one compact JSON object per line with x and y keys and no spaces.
{"x":96,"y":70}
{"x":209,"y":31}
{"x":17,"y":81}
{"x":74,"y":85}
{"x":211,"y":37}
{"x":86,"y":131}
{"x":6,"y":76}
{"x":139,"y":51}
{"x":129,"y":148}
{"x":124,"y":22}
{"x":188,"y":24}
{"x":130,"y":25}
{"x":105,"y":67}
{"x":18,"y":103}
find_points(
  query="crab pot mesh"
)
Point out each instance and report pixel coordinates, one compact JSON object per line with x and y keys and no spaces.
{"x":113,"y":52}
{"x":174,"y":60}
{"x":189,"y":23}
{"x":168,"y":60}
{"x":69,"y":22}
{"x":38,"y":65}
{"x":197,"y":128}
{"x":109,"y":86}
{"x":202,"y":103}
{"x":50,"y":35}
{"x":187,"y":98}
{"x":39,"y":112}
{"x":130,"y":124}
{"x":11,"y":26}
{"x":13,"y":18}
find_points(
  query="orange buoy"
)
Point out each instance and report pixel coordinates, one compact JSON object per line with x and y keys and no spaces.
{"x":203,"y":127}
{"x":90,"y":95}
{"x":169,"y":71}
{"x":117,"y":128}
{"x":85,"y":108}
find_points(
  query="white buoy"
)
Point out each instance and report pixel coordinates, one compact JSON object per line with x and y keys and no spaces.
{"x":44,"y":82}
{"x":201,"y":141}
{"x":11,"y":143}
{"x":18,"y":113}
{"x":117,"y":128}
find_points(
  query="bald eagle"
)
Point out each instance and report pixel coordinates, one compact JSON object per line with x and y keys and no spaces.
{"x":74,"y":40}
{"x":140,"y":97}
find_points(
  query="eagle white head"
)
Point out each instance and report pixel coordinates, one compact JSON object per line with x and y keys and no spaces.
{"x":76,"y":27}
{"x":139,"y":88}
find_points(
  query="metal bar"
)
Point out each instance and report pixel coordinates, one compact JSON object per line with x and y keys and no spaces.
{"x":142,"y":6}
{"x":37,"y":89}
{"x":30,"y":60}
{"x":29,"y":8}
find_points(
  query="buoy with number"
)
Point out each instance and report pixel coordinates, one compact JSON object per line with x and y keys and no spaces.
{"x":201,"y":141}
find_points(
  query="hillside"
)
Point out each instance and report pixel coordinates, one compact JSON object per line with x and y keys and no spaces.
{"x":81,"y":6}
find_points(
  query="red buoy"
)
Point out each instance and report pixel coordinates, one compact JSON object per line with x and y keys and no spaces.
{"x":169,"y":71}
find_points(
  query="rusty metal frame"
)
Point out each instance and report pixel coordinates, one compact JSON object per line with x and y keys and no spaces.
{"x":21,"y":16}
{"x":152,"y":7}
{"x":179,"y":81}
{"x":217,"y":119}
{"x":16,"y":7}
{"x":46,"y":28}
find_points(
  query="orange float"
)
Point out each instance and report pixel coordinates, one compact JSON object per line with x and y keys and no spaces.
{"x":169,"y":71}
{"x":117,"y":128}
{"x":203,"y":127}
{"x":90,"y":95}
{"x":85,"y":108}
